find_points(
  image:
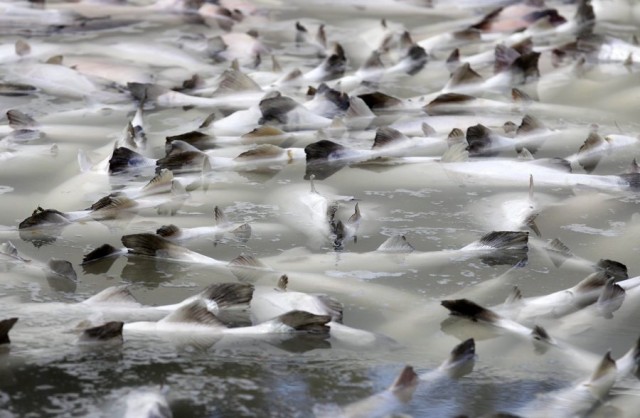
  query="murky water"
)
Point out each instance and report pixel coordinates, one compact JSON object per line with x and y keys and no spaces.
{"x":437,"y":206}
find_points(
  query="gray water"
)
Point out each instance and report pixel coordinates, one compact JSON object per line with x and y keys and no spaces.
{"x":46,"y":374}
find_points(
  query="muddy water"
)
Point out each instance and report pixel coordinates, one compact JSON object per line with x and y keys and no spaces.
{"x":46,"y":374}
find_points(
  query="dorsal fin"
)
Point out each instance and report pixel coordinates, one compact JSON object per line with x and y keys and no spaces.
{"x":503,"y":240}
{"x":115,"y":294}
{"x":195,"y":312}
{"x":464,"y":75}
{"x":321,"y":36}
{"x":558,"y":252}
{"x":62,"y":268}
{"x":228,"y":294}
{"x":526,"y":66}
{"x":195,"y":138}
{"x":123,"y":159}
{"x":5,"y":327}
{"x":610,"y":299}
{"x":113,"y":201}
{"x":379,"y":100}
{"x":396,"y":244}
{"x":470,"y":310}
{"x":283,"y":283}
{"x":407,"y":380}
{"x":147,"y":244}
{"x":261,"y":151}
{"x":463,"y":351}
{"x":234,"y":81}
{"x":456,"y":152}
{"x":427,"y":130}
{"x":44,"y":216}
{"x":386,"y":136}
{"x":530,"y":124}
{"x":485,"y":23}
{"x":105,"y":250}
{"x":168,"y":231}
{"x":323,"y":150}
{"x":510,"y":128}
{"x":161,"y":180}
{"x":415,"y":59}
{"x":20,"y":120}
{"x":479,"y":138}
{"x":589,"y":162}
{"x":373,"y":62}
{"x":356,"y":217}
{"x":305,"y":321}
{"x":607,"y":366}
{"x":440,"y":105}
{"x":247,"y":261}
{"x":504,"y":57}
{"x":520,"y":96}
{"x":453,"y":60}
{"x":111,"y":331}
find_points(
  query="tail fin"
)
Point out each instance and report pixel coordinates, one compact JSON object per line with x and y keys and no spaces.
{"x":147,"y":244}
{"x":305,"y":321}
{"x":228,"y":294}
{"x":5,"y":327}
{"x":111,"y":331}
{"x":470,"y":310}
{"x":405,"y":384}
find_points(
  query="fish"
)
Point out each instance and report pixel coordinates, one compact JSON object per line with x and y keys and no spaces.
{"x":460,"y":363}
{"x":268,"y":303}
{"x":380,"y":404}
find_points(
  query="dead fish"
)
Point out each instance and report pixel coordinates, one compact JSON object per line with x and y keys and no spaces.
{"x":379,"y":405}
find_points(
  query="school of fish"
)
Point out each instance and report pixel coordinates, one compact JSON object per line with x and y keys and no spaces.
{"x":293,"y":208}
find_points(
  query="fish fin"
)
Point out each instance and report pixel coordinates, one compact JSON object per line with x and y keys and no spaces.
{"x":438,"y":106}
{"x":503,"y":240}
{"x":487,"y":19}
{"x":263,"y":131}
{"x":470,"y":310}
{"x":109,"y":331}
{"x":416,"y":58}
{"x":122,"y":159}
{"x":178,"y":146}
{"x":144,"y":92}
{"x":301,"y":33}
{"x":463,"y":350}
{"x":181,"y":160}
{"x":20,"y":120}
{"x":396,"y":244}
{"x":526,"y":66}
{"x":178,"y":189}
{"x":558,"y":252}
{"x":358,"y":109}
{"x":219,"y":216}
{"x":606,"y":367}
{"x":373,"y":62}
{"x":427,"y":130}
{"x":504,"y":57}
{"x":525,"y":154}
{"x":305,"y":321}
{"x":520,"y":96}
{"x":463,"y":75}
{"x":163,"y":178}
{"x":234,"y":81}
{"x":321,"y":36}
{"x":44,"y":216}
{"x":530,"y":124}
{"x":453,"y":60}
{"x":22,"y":48}
{"x":168,"y":231}
{"x":335,"y":64}
{"x":283,"y":283}
{"x":261,"y":151}
{"x":242,"y":233}
{"x":275,"y":107}
{"x":479,"y":139}
{"x":5,"y":327}
{"x":246,"y":261}
{"x":514,"y":296}
{"x":228,"y":294}
{"x":593,"y":281}
{"x":334,"y":307}
{"x":540,"y":334}
{"x":356,"y":215}
{"x":195,"y":312}
{"x":379,"y":100}
{"x":610,"y":299}
{"x":455,"y":153}
{"x":585,"y":19}
{"x":105,"y":250}
{"x":209,"y":120}
{"x":386,"y":136}
{"x":147,"y":244}
{"x":62,"y":268}
{"x":530,"y":222}
{"x":112,"y":201}
{"x":194,"y":138}
{"x":114,"y":294}
{"x":406,"y":380}
{"x":9,"y":249}
{"x":613,"y":268}
{"x":322,"y":150}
